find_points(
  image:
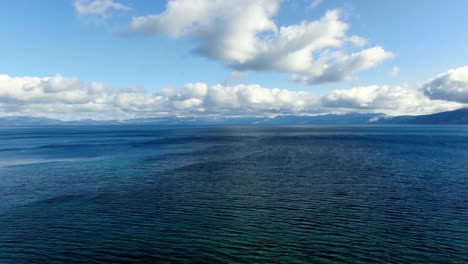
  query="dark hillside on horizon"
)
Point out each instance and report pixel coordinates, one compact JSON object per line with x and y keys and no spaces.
{"x":459,"y":116}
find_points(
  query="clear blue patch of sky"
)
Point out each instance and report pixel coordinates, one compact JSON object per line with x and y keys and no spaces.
{"x":42,"y":38}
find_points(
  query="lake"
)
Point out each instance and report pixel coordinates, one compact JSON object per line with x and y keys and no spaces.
{"x":295,"y":194}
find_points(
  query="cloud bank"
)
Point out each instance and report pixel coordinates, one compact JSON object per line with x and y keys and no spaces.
{"x":70,"y":98}
{"x":243,"y":36}
{"x":451,"y":86}
{"x":387,"y":99}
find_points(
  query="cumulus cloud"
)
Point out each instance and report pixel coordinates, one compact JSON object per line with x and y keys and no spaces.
{"x":451,"y":86}
{"x":56,"y":89}
{"x":344,"y":65}
{"x":243,"y":35}
{"x":196,"y":98}
{"x":256,"y":99}
{"x":388,"y":99}
{"x":98,"y":7}
{"x":70,"y":98}
{"x":58,"y":96}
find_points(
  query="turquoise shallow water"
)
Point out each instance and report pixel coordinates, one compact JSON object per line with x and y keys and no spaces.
{"x":364,"y":194}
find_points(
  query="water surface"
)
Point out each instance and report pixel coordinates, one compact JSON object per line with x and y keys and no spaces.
{"x":317,"y":194}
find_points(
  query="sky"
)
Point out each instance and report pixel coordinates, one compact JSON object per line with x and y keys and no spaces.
{"x":118,"y":59}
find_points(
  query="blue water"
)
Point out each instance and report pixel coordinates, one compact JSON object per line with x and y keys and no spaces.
{"x":364,"y":194}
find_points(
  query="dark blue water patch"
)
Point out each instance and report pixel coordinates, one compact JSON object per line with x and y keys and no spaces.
{"x":258,"y":195}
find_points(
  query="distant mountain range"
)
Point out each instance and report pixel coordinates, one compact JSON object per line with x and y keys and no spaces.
{"x":459,"y":116}
{"x":15,"y":121}
{"x":329,"y":119}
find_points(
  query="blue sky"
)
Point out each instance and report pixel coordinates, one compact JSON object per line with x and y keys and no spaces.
{"x":44,"y":38}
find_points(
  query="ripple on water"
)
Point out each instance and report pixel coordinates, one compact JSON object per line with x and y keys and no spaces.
{"x":239,"y":195}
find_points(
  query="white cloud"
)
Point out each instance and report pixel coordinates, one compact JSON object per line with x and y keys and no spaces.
{"x":70,"y":98}
{"x":239,"y":99}
{"x":98,"y":7}
{"x":55,"y":96}
{"x":451,"y":86}
{"x":243,"y":35}
{"x":345,"y":65}
{"x":396,"y":100}
{"x":63,"y":97}
{"x":358,"y":41}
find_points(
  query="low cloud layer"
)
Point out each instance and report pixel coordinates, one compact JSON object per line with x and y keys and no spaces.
{"x":55,"y":96}
{"x":387,"y":99}
{"x":243,"y":36}
{"x":451,"y":86}
{"x":70,"y":98}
